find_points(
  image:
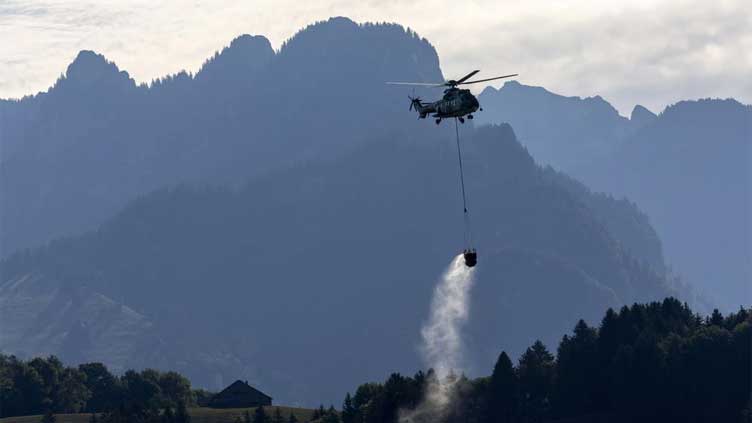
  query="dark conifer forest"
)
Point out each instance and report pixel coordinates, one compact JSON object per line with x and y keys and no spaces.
{"x":655,"y":362}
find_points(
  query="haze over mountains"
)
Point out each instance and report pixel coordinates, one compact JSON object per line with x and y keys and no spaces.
{"x":280,"y":217}
{"x":688,"y":168}
{"x":323,"y":272}
{"x":561,"y":131}
{"x":96,"y":140}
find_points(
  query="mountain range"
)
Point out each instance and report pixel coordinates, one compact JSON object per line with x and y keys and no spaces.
{"x":309,"y":279}
{"x":564,"y":132}
{"x":280,"y":217}
{"x":96,"y":139}
{"x":687,"y":168}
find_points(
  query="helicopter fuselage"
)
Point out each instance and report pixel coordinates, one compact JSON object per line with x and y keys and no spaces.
{"x":455,"y":103}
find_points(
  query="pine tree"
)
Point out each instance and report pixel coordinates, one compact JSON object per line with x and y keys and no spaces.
{"x":348,"y":410}
{"x":577,"y":372}
{"x":536,"y":370}
{"x":716,"y":319}
{"x":502,"y":392}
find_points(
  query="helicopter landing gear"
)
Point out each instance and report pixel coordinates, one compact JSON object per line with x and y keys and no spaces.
{"x":438,"y":121}
{"x":462,"y":120}
{"x":470,"y":117}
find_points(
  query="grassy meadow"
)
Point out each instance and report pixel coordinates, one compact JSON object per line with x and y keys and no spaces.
{"x":198,"y":415}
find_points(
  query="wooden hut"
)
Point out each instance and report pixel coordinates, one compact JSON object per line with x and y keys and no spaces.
{"x":240,"y":395}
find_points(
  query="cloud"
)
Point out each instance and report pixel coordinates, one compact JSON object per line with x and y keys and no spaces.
{"x":649,"y":52}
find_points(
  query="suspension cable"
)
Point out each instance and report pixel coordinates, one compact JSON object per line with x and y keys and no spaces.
{"x":466,"y":213}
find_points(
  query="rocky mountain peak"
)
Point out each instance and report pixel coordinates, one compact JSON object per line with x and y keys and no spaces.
{"x":641,"y":116}
{"x":89,"y":65}
{"x":246,"y":53}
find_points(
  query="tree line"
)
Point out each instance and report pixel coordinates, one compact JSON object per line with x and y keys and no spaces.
{"x":655,"y":362}
{"x":46,"y":386}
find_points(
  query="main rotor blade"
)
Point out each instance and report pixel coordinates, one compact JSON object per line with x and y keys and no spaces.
{"x":466,"y":77}
{"x":487,"y":79}
{"x":424,"y":84}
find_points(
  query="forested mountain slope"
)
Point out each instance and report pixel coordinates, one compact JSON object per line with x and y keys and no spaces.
{"x":689,"y":170}
{"x":310,"y":279}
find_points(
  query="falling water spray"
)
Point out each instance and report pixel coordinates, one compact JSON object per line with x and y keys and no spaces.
{"x":442,"y":341}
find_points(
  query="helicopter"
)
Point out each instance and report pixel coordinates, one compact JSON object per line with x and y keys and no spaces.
{"x":456,"y":103}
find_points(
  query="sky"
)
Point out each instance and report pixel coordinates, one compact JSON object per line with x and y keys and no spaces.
{"x":647,"y":52}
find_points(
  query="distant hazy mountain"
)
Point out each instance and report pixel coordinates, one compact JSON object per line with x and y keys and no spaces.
{"x":75,"y":154}
{"x":689,"y":169}
{"x":564,"y":132}
{"x":43,"y":316}
{"x":312,"y":279}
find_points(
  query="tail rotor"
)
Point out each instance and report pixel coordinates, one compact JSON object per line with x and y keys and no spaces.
{"x":414,"y":103}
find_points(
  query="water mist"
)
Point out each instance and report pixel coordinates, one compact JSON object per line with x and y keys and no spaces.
{"x":442,"y":341}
